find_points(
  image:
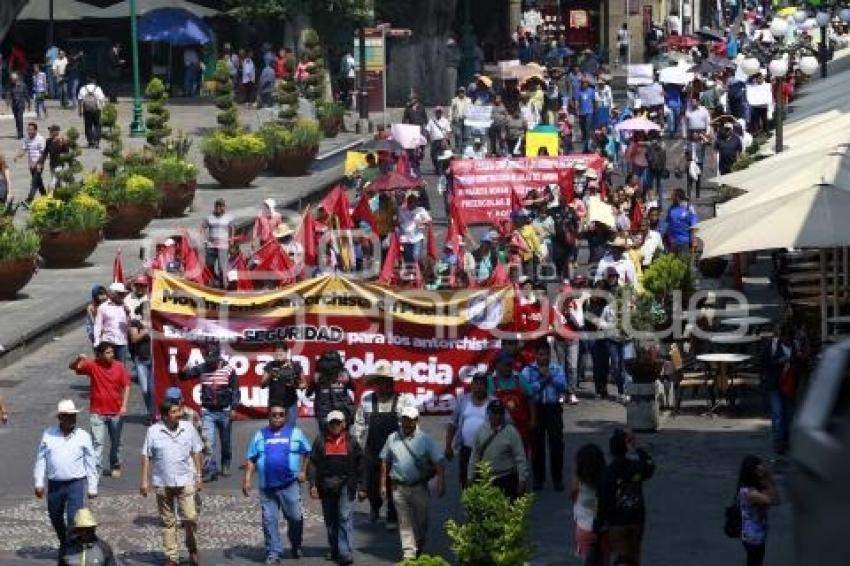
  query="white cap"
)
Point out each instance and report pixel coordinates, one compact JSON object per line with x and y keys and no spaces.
{"x":410,"y":413}
{"x":66,"y":407}
{"x":117,"y":287}
{"x":169,"y":242}
{"x":335,"y":416}
{"x":269,"y":202}
{"x":232,"y":275}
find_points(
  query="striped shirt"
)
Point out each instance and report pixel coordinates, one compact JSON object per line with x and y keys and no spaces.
{"x":33,"y":148}
{"x":219,"y":386}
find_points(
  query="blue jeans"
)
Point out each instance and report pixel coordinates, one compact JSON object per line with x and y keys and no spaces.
{"x":100,"y":426}
{"x":586,"y":126}
{"x":292,"y":415}
{"x":781,"y":410}
{"x":40,"y":107}
{"x":615,"y":355}
{"x":287,"y":500}
{"x":653,"y":178}
{"x":336,"y":510}
{"x":145,"y":377}
{"x":64,"y":499}
{"x":217,"y":425}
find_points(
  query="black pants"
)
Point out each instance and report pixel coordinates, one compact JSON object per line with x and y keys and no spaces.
{"x":36,"y":184}
{"x":91,"y":123}
{"x":508,"y":484}
{"x":755,"y":554}
{"x":18,"y":111}
{"x":373,"y":488}
{"x":550,"y":427}
{"x":463,"y":465}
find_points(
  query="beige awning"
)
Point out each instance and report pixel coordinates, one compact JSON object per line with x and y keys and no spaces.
{"x":63,"y":10}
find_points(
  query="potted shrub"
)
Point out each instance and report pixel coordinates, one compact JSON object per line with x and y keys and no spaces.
{"x":643,"y":409}
{"x":111,"y":132}
{"x":330,"y":116}
{"x":131,"y":203}
{"x":292,"y":150}
{"x":69,"y":226}
{"x":175,"y":179}
{"x":667,"y":276}
{"x":156,"y":123}
{"x":496,"y":529}
{"x":315,"y":91}
{"x":18,"y":252}
{"x":233,"y":157}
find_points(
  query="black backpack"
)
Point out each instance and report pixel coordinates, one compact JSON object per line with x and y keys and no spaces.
{"x":656,"y":157}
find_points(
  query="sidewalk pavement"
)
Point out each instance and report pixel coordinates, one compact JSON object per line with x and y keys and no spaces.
{"x":56,"y":297}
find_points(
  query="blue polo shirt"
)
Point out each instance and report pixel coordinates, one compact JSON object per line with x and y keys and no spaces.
{"x":680,"y":219}
{"x":277,"y":455}
{"x":585,"y":98}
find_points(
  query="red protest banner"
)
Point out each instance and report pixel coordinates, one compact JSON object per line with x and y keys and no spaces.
{"x":433,"y":341}
{"x":482,"y":188}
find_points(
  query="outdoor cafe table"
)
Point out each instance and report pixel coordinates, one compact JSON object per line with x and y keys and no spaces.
{"x":723,"y":361}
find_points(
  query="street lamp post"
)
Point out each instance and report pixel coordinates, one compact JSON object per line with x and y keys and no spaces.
{"x":778,"y":69}
{"x":137,"y":126}
{"x":823,"y":48}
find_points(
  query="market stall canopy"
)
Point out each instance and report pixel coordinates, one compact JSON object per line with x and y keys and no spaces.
{"x":815,"y":217}
{"x":63,"y":10}
{"x":174,"y":26}
{"x":122,"y":9}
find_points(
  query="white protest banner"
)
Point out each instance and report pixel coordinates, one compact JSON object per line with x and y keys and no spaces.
{"x":638,"y":75}
{"x":652,"y":95}
{"x":408,"y":136}
{"x":478,"y":117}
{"x":760,"y":95}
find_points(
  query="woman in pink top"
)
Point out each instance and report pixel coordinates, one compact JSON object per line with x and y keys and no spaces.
{"x":110,"y":322}
{"x":265,"y":223}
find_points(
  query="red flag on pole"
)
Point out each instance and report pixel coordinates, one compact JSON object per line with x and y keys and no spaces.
{"x":393,"y":253}
{"x":565,"y":183}
{"x":516,"y":201}
{"x":277,"y":264}
{"x":363,"y":213}
{"x":431,"y":243}
{"x":337,"y":204}
{"x":117,"y":268}
{"x":455,"y":216}
{"x":193,"y":268}
{"x":306,"y":235}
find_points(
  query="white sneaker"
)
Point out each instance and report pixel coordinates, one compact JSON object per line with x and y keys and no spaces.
{"x":573,"y":399}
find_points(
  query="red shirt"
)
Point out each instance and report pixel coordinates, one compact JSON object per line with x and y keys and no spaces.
{"x":107,"y":385}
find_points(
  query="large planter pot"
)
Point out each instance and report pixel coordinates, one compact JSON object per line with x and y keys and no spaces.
{"x":176,"y":197}
{"x":67,"y":248}
{"x":330,"y":126}
{"x":643,"y":409}
{"x":14,"y":275}
{"x":293,"y":161}
{"x":236,"y":171}
{"x":127,"y":221}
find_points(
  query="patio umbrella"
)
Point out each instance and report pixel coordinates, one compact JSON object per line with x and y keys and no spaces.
{"x":815,"y":217}
{"x":173,"y":26}
{"x":785,"y":174}
{"x":395,"y":181}
{"x":637,"y":125}
{"x":122,"y":9}
{"x":381,"y":145}
{"x":705,"y":67}
{"x":64,"y":10}
{"x":681,"y":42}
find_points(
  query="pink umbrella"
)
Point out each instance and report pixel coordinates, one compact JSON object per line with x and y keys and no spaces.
{"x":637,"y":125}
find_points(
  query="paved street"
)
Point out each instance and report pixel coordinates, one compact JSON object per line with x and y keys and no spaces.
{"x":697,"y":460}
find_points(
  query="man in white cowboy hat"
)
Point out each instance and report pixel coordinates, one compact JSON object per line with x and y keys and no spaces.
{"x":85,"y":548}
{"x":410,"y":458}
{"x":110,"y":322}
{"x":65,"y":469}
{"x":283,"y":233}
{"x":376,"y":418}
{"x":616,"y":258}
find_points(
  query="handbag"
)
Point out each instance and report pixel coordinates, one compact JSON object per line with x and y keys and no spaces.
{"x":427,"y":469}
{"x":734,"y":523}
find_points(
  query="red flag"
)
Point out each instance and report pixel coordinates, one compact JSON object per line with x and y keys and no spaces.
{"x":454,"y":216}
{"x":516,"y":201}
{"x":306,"y":235}
{"x":402,"y":165}
{"x":244,"y":281}
{"x":117,"y":268}
{"x":272,"y":260}
{"x":337,"y":204}
{"x":393,"y":254}
{"x":363,"y":213}
{"x":565,"y":183}
{"x":431,"y":243}
{"x":193,"y":268}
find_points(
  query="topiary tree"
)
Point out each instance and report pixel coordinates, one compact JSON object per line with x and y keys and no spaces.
{"x":111,"y":132}
{"x":316,"y":81}
{"x":496,"y":529}
{"x":228,"y":118}
{"x":287,"y":95}
{"x":70,"y":166}
{"x":158,"y":115}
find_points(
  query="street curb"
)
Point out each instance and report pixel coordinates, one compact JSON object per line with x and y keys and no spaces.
{"x":67,"y":320}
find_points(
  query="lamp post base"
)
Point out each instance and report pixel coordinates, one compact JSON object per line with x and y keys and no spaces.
{"x":137,"y":126}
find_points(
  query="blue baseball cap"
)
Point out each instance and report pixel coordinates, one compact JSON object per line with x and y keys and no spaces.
{"x":173,"y":394}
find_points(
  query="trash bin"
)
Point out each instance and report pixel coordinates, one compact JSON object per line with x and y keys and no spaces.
{"x":820,"y":453}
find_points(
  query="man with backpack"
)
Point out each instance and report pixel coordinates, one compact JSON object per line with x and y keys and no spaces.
{"x":332,"y":389}
{"x":656,"y":158}
{"x":90,"y":102}
{"x":376,"y":419}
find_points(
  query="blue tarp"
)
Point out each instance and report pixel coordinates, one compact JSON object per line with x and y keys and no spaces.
{"x":174,"y":26}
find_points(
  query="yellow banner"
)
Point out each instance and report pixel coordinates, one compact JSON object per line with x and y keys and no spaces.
{"x":332,"y":295}
{"x":535,"y":140}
